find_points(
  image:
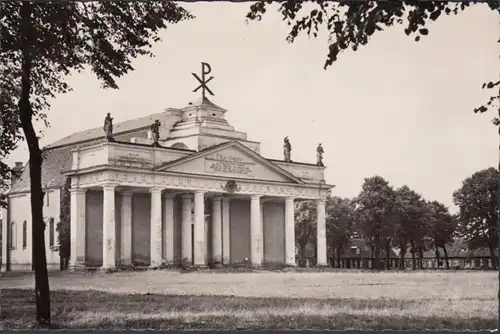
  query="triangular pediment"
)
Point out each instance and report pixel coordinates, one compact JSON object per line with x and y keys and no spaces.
{"x":230,"y":160}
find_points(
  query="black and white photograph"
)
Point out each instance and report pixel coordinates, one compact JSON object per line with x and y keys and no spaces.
{"x":249,"y":165}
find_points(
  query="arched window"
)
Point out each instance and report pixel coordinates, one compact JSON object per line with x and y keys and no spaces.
{"x":51,"y":231}
{"x":12,"y":235}
{"x":25,"y":234}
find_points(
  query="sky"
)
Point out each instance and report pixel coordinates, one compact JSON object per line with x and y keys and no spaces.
{"x":395,"y":108}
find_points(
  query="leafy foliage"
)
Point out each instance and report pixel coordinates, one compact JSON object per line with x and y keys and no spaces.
{"x":375,"y":213}
{"x":44,"y":42}
{"x":477,"y":200}
{"x":351,"y":24}
{"x":69,"y":36}
{"x":305,"y":225}
{"x":340,"y":218}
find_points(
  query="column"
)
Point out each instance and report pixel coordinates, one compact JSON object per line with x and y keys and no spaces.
{"x":289,"y":232}
{"x":226,"y":231}
{"x":77,"y":227}
{"x":5,"y":237}
{"x":187,"y":206}
{"x":108,"y":227}
{"x":262,"y":231}
{"x":199,"y":229}
{"x":255,"y":231}
{"x":168,"y":231}
{"x":321,"y":232}
{"x":126,"y":229}
{"x":155,"y":228}
{"x":216,"y":231}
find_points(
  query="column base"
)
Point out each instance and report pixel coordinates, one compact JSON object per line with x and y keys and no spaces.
{"x":125,"y":267}
{"x":77,"y":268}
{"x":217,"y":265}
{"x":107,"y":270}
{"x":322,"y":266}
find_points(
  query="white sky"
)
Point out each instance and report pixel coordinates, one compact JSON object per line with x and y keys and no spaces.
{"x":396,"y":108}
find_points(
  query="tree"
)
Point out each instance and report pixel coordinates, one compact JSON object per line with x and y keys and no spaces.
{"x":305,"y":226}
{"x":64,"y":225}
{"x":477,"y":201}
{"x":44,"y":42}
{"x":442,"y":228}
{"x":339,"y":224}
{"x":410,"y":213}
{"x":374,"y":210}
{"x":350,"y":24}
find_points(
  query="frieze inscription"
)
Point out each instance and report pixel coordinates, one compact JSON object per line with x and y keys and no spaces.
{"x":228,"y":164}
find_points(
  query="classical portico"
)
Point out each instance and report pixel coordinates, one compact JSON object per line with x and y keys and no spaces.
{"x":160,"y":206}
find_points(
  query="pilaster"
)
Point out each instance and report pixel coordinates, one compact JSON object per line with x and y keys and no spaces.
{"x":216,"y":231}
{"x":126,"y":229}
{"x":321,"y":233}
{"x":289,"y":232}
{"x":255,"y":231}
{"x":187,"y":206}
{"x":108,"y":228}
{"x":168,"y":231}
{"x":226,"y":231}
{"x":155,"y":228}
{"x":199,"y":229}
{"x":77,"y":228}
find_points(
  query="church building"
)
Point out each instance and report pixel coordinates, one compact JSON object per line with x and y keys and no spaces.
{"x":177,"y":188}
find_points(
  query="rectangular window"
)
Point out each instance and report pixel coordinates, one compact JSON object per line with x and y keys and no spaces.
{"x":51,"y":232}
{"x":25,"y":234}
{"x":12,"y":235}
{"x":47,"y":198}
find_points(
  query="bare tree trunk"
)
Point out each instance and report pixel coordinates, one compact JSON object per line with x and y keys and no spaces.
{"x":414,"y":266}
{"x":377,"y":254}
{"x":402,"y":254}
{"x":42,"y":293}
{"x":339,"y":253}
{"x":438,"y":256}
{"x":446,"y":257}
{"x":493,"y":258}
{"x":421,"y":258}
{"x":388,"y":254}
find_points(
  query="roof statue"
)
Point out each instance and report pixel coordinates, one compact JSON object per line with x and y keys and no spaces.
{"x":205,"y":70}
{"x":155,"y":131}
{"x":319,"y":155}
{"x":108,"y":127}
{"x":287,"y":150}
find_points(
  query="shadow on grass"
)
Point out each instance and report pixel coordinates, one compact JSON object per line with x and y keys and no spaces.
{"x":97,"y":309}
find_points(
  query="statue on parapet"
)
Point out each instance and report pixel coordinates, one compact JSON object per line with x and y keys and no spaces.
{"x":319,"y":155}
{"x":108,"y":127}
{"x":155,"y":132}
{"x":287,"y":150}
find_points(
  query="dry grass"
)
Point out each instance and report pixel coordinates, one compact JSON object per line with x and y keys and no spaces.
{"x":340,"y":300}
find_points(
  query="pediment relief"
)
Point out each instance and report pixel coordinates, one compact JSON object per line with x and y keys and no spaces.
{"x":231,"y":160}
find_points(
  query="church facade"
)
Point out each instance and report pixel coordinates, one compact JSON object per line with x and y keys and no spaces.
{"x":194,"y":191}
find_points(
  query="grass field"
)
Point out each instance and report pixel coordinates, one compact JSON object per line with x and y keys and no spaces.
{"x":213,"y":300}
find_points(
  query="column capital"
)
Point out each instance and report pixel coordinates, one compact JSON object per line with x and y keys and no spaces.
{"x":155,"y":190}
{"x":169,"y":195}
{"x":255,"y":197}
{"x":290,"y":198}
{"x":187,"y":196}
{"x":127,"y":193}
{"x":199,"y":192}
{"x":320,"y":200}
{"x":109,"y":186}
{"x":217,"y":198}
{"x":226,"y":199}
{"x":78,"y":190}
